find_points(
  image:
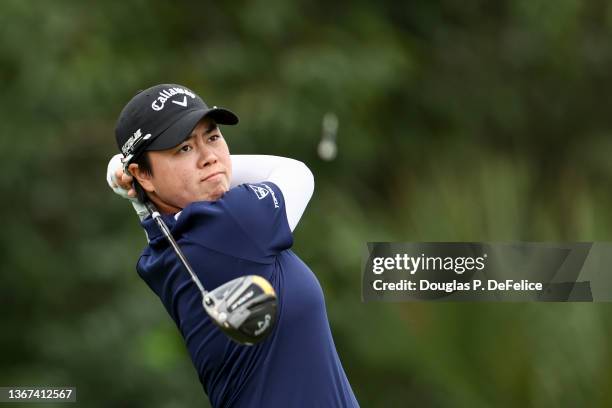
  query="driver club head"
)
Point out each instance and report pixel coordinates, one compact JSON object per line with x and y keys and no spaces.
{"x":243,"y":308}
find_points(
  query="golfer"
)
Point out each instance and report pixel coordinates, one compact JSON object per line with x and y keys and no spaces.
{"x":232,"y":216}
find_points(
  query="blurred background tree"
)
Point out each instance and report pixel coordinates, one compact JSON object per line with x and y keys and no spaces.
{"x":483,"y":121}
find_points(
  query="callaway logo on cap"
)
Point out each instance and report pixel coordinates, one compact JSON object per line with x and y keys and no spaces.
{"x":165,"y":94}
{"x":161,"y":117}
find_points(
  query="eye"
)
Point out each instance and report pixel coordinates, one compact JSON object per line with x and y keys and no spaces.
{"x":185,"y":148}
{"x":214,"y":138}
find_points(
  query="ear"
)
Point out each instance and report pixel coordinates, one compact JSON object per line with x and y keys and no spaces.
{"x":143,"y":178}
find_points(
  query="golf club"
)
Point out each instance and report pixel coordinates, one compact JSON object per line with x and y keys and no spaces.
{"x":243,"y":308}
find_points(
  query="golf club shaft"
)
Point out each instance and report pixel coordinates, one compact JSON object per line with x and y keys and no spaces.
{"x":166,"y":231}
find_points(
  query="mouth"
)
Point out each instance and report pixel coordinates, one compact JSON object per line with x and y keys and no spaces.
{"x":212,"y":176}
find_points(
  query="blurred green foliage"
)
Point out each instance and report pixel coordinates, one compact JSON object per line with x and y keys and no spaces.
{"x":480,"y":120}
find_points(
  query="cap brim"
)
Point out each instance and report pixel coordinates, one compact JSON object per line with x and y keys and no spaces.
{"x":182,"y":128}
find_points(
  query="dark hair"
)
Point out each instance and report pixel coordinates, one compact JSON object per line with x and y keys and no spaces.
{"x":144,"y":165}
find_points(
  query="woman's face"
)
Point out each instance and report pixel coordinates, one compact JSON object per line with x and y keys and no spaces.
{"x":198,"y":169}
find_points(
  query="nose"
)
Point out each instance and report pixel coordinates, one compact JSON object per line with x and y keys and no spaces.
{"x":207,"y":156}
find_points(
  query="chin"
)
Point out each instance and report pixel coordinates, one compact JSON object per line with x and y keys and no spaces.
{"x":216,"y":192}
{"x":216,"y":196}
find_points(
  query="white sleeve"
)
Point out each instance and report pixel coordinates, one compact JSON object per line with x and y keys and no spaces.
{"x":292,"y":177}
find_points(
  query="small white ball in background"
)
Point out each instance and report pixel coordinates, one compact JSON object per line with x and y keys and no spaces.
{"x":327,"y":149}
